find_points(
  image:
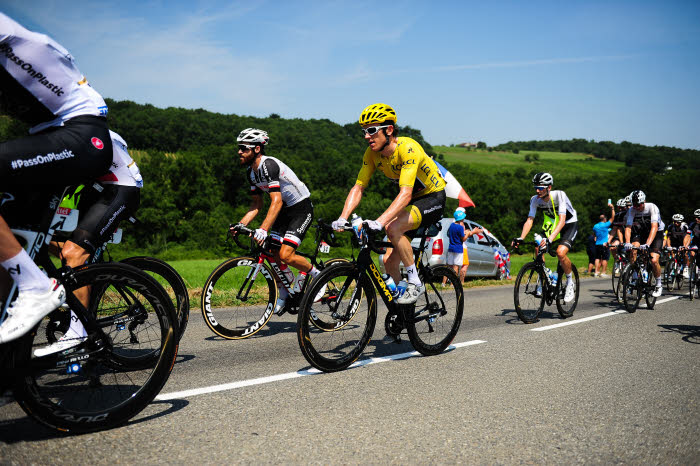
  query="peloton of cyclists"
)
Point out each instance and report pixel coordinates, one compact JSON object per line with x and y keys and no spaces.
{"x":69,"y":143}
{"x":421,"y":198}
{"x":290,"y":213}
{"x":650,"y":231}
{"x":560,"y":224}
{"x":675,"y":237}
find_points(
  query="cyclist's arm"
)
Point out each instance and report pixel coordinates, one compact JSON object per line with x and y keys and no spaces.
{"x":401,"y":201}
{"x":256,"y":204}
{"x":352,"y":201}
{"x":527,"y":227}
{"x":273,"y":211}
{"x":652,"y":233}
{"x":628,"y":234}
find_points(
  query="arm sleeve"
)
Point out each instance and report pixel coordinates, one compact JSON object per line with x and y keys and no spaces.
{"x":655,"y":217}
{"x":533,"y":207}
{"x":272,"y":171}
{"x":367,"y":169}
{"x":409,"y":157}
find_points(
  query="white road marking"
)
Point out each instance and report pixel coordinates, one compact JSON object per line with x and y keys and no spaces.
{"x":294,"y":375}
{"x":599,"y":316}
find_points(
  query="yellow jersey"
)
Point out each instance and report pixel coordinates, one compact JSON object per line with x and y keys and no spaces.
{"x":409,"y":165}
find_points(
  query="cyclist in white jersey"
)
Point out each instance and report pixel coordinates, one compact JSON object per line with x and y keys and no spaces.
{"x":560,"y":224}
{"x":100,"y":214}
{"x":290,"y":213}
{"x":69,"y":143}
{"x":650,"y":233}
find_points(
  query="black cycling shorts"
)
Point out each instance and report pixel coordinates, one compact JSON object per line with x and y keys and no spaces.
{"x":656,"y":244}
{"x":80,"y":150}
{"x":602,"y":252}
{"x":293,"y":222}
{"x":426,"y":211}
{"x":567,"y":235}
{"x":101,"y":212}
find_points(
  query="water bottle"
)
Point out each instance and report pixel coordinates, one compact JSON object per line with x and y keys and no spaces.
{"x":548,"y":272}
{"x":357,"y":224}
{"x":645,"y":275}
{"x":288,"y":274}
{"x":554,"y":277}
{"x":538,"y":239}
{"x":390,"y":284}
{"x":401,"y":287}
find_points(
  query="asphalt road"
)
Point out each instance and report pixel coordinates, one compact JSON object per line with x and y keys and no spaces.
{"x":608,"y":387}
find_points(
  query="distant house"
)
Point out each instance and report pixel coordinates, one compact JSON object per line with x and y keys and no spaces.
{"x":467,"y":144}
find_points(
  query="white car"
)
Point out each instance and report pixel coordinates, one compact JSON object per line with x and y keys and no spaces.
{"x":480,"y":248}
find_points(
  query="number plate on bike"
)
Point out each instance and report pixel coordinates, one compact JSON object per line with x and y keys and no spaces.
{"x":65,"y":219}
{"x":325,"y":248}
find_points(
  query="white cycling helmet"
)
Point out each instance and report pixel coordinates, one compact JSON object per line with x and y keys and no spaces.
{"x":638,"y":197}
{"x":697,"y":213}
{"x":621,"y":202}
{"x":542,"y":179}
{"x":628,"y":200}
{"x":253,"y":136}
{"x":678,"y":218}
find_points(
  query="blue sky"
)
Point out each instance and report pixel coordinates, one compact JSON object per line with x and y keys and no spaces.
{"x":458,"y":71}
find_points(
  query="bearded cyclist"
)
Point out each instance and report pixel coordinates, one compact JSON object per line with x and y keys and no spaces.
{"x":421,"y":198}
{"x":650,"y":230}
{"x":69,"y":143}
{"x":560,"y":224}
{"x":290,"y":213}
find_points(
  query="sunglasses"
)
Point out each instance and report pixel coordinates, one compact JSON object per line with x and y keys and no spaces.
{"x":540,"y":188}
{"x":372,"y":130}
{"x":243,"y":147}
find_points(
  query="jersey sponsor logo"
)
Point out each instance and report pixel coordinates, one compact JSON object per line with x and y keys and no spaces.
{"x":304,"y":225}
{"x":410,"y":150}
{"x":112,"y":218}
{"x":42,"y":159}
{"x":6,"y":50}
{"x":97,"y":142}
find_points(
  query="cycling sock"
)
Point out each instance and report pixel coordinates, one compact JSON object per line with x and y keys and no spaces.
{"x":568,"y":277}
{"x":314,"y":271}
{"x":76,"y":329}
{"x":412,"y":273}
{"x":658,"y":281}
{"x":26,"y":273}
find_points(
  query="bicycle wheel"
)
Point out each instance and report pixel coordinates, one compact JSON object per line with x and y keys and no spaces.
{"x":173,"y":283}
{"x":618,"y":286}
{"x":529,"y":293}
{"x":351,"y":311}
{"x":329,"y":292}
{"x":565,"y":309}
{"x":616,"y":274}
{"x":239,"y":298}
{"x":670,"y":274}
{"x":632,"y":289}
{"x":693,"y":281}
{"x":433,"y":322}
{"x":648,"y":288}
{"x":96,"y":385}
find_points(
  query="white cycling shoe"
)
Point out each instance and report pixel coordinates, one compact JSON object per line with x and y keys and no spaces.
{"x":63,"y":344}
{"x":658,"y":290}
{"x":570,"y":292}
{"x":411,"y":294}
{"x":29,"y":308}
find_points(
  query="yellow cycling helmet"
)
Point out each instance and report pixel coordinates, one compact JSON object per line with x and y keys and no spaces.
{"x":377,"y":113}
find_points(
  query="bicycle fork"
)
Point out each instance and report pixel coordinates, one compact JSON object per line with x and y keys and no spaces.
{"x":249,"y":280}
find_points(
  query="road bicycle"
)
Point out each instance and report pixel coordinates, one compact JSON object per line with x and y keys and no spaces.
{"x":675,"y":266}
{"x":334,"y":331}
{"x":638,"y":281}
{"x":620,"y":262}
{"x":240,"y":295}
{"x":694,"y":274}
{"x":112,"y":374}
{"x":534,"y":288}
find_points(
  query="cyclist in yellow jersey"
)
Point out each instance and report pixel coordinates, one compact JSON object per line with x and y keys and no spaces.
{"x":421,"y":198}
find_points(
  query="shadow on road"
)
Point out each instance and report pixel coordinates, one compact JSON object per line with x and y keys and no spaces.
{"x":691,"y":333}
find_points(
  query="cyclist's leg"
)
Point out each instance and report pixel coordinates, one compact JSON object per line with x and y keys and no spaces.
{"x":295,"y":221}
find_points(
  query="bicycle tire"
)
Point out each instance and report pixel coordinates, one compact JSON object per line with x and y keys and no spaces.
{"x":527,"y":304}
{"x":618,"y":287}
{"x":692,"y":282}
{"x":566,"y":310}
{"x":631,"y":294}
{"x":354,"y":310}
{"x":227,"y":315}
{"x":616,"y":274}
{"x":164,"y":272}
{"x":432,"y":324}
{"x":670,"y":275}
{"x":101,"y":394}
{"x":650,"y":285}
{"x":317,"y":320}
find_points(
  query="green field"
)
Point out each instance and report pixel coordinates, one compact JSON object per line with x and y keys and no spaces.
{"x":488,"y":161}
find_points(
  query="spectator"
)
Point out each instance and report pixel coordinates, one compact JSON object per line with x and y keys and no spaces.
{"x":601,"y":232}
{"x":457,"y":234}
{"x":590,"y":250}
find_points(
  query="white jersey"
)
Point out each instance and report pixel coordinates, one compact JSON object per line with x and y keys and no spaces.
{"x":558,"y":202}
{"x":123,"y":171}
{"x":39,"y":80}
{"x":650,"y":214}
{"x":274,"y":175}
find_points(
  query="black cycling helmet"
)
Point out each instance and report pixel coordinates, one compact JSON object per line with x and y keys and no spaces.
{"x":638,"y":197}
{"x":542,"y":179}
